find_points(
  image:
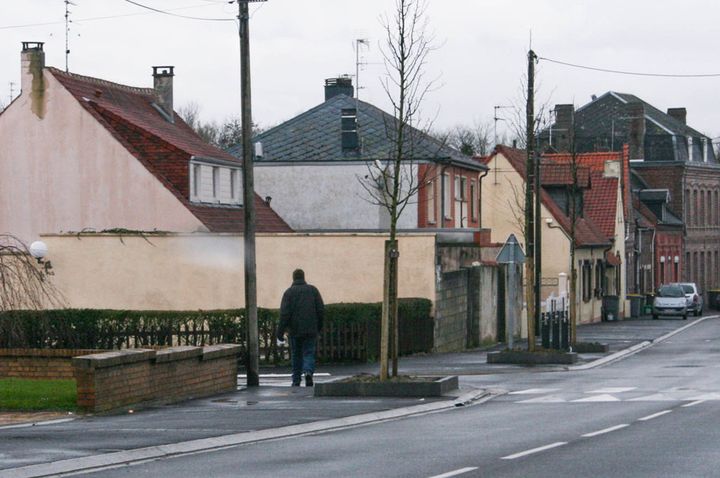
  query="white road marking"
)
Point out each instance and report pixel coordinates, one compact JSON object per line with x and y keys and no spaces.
{"x":654,"y":415}
{"x":606,"y":430}
{"x":534,"y":450}
{"x":546,"y":399}
{"x":657,"y":397}
{"x":612,"y":390}
{"x":456,"y":472}
{"x":598,"y":398}
{"x":35,"y":424}
{"x":692,"y":404}
{"x":283,"y":375}
{"x":533,"y":391}
{"x":706,"y":396}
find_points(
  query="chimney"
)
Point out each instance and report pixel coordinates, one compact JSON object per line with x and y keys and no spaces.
{"x":32,"y":81}
{"x":635,"y":114}
{"x":163,"y":86}
{"x":339,"y":86}
{"x":679,"y":114}
{"x":563,"y":127}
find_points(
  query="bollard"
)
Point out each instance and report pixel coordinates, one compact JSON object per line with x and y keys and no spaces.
{"x":545,"y":331}
{"x":556,"y":331}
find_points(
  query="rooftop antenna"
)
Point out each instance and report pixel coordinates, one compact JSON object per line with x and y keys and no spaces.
{"x":67,"y":32}
{"x":12,"y":91}
{"x":366,"y":43}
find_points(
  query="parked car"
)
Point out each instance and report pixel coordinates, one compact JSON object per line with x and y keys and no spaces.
{"x":694,"y":297}
{"x":670,"y":300}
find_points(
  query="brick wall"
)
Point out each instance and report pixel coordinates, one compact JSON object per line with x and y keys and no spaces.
{"x":121,"y":378}
{"x":451,"y":312}
{"x":41,"y":364}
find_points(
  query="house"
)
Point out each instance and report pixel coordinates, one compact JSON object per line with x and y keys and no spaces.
{"x":668,"y":155}
{"x":597,"y":195}
{"x":319,"y":170}
{"x":86,"y":154}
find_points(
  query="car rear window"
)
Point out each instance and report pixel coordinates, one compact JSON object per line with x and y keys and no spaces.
{"x":670,"y":291}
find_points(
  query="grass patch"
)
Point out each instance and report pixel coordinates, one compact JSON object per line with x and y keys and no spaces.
{"x":26,"y":395}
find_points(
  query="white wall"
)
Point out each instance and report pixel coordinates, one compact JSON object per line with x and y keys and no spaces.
{"x":326,"y":196}
{"x":65,"y":172}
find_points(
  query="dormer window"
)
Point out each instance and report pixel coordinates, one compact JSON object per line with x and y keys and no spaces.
{"x":349,"y":132}
{"x":214,"y":183}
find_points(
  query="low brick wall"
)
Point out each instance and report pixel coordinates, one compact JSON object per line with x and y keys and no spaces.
{"x":111,"y":380}
{"x":40,"y":364}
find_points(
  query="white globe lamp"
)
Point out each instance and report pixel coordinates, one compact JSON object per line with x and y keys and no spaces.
{"x":38,"y":250}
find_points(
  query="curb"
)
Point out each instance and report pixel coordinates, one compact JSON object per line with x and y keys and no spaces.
{"x":129,"y":457}
{"x":636,"y":348}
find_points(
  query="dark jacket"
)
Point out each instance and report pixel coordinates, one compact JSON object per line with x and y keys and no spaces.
{"x":301,"y":310}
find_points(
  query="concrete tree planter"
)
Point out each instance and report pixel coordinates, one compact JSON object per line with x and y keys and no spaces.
{"x":523,"y":357}
{"x":410,"y":387}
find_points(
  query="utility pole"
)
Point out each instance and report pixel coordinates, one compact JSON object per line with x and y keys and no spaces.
{"x":531,"y":185}
{"x":67,"y":33}
{"x":252,"y":363}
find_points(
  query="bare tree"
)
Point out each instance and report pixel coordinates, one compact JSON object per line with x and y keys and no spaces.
{"x":518,"y":119}
{"x":223,"y":135}
{"x":394,"y":182}
{"x":469,"y":140}
{"x":24,"y":282}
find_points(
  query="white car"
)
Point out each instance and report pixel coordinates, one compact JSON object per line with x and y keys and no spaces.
{"x":670,"y":300}
{"x":693,"y":296}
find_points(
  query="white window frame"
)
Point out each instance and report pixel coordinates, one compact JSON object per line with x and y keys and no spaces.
{"x":431,"y":201}
{"x":448,"y":202}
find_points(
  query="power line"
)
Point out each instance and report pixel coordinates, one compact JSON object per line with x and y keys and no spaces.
{"x":164,"y":12}
{"x":633,"y":73}
{"x":90,"y":19}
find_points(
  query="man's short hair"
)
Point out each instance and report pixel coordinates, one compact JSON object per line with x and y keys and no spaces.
{"x":298,"y":274}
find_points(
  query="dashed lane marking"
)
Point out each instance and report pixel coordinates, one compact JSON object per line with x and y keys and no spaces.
{"x":692,"y":404}
{"x":654,"y":415}
{"x":606,"y":430}
{"x":460,"y":471}
{"x":534,"y":450}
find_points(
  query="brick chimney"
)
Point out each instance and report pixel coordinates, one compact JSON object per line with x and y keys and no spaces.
{"x":679,"y":114}
{"x":339,"y":86}
{"x":32,"y":81}
{"x":635,"y":114}
{"x":163,"y":85}
{"x":562,"y":130}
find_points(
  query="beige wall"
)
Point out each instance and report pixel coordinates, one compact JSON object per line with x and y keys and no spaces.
{"x":503,"y":192}
{"x":65,"y":172}
{"x":205,"y":271}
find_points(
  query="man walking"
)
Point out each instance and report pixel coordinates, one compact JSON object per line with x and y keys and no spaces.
{"x":301,"y":313}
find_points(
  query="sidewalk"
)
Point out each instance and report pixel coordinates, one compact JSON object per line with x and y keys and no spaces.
{"x":271,"y":411}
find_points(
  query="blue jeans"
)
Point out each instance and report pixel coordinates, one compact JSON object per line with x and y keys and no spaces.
{"x":303,"y":356}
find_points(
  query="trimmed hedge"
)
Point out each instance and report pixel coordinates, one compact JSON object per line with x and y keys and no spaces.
{"x":356,"y":325}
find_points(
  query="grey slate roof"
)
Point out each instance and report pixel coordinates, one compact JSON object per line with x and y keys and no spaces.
{"x":315,"y":136}
{"x":603,"y":124}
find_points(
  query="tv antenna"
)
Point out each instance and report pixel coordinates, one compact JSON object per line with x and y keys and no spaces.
{"x":358,"y":63}
{"x":12,"y":91}
{"x":68,"y":21}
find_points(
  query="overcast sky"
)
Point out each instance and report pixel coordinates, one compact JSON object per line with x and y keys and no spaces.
{"x":296,"y":44}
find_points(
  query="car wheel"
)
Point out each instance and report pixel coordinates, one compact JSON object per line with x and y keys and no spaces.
{"x":685,"y":317}
{"x":697,"y":313}
{"x":655,"y":316}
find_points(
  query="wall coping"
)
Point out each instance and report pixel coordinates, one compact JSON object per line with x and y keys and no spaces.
{"x":48,"y":353}
{"x":171,"y":354}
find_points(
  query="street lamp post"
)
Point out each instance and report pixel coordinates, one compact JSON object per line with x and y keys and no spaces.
{"x":252,"y":363}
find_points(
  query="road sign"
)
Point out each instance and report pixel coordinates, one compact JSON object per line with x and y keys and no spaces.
{"x":511,"y":252}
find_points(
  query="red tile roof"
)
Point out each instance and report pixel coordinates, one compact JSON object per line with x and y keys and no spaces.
{"x":587,"y":233}
{"x":164,"y":148}
{"x":556,"y":174}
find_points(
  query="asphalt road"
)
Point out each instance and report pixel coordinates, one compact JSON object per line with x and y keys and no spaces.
{"x":654,"y":414}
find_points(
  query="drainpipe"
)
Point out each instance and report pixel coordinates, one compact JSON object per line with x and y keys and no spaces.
{"x":479,"y":198}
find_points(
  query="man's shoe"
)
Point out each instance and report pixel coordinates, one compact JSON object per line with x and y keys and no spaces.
{"x":296,"y":384}
{"x":308,"y":380}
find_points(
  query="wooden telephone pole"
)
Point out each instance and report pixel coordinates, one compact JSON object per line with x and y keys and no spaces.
{"x":532,"y":188}
{"x":252,"y":363}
